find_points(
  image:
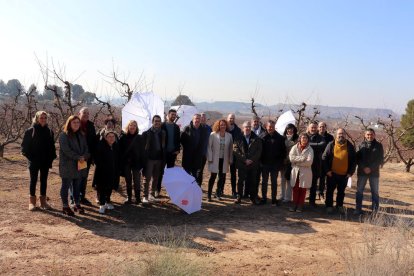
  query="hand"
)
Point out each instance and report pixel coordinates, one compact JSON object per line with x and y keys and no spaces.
{"x":329,"y":173}
{"x":367,"y":170}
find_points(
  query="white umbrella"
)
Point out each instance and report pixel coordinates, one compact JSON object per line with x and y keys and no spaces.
{"x":185,"y":114}
{"x":141,"y":108}
{"x":182,"y":189}
{"x":284,"y":119}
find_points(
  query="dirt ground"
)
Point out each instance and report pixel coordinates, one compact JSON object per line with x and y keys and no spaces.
{"x":229,"y":239}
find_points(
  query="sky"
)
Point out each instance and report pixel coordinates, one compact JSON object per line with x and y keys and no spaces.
{"x":336,"y":53}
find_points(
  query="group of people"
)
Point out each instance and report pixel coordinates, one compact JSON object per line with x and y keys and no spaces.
{"x":251,"y":154}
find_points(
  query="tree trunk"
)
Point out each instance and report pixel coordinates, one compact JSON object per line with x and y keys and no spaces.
{"x":1,"y":151}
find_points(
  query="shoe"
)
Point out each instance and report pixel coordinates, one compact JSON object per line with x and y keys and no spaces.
{"x":32,"y":203}
{"x":109,"y":206}
{"x":151,"y":198}
{"x":256,"y":201}
{"x":263,"y":201}
{"x":138,"y":200}
{"x":238,"y":200}
{"x":299,"y":209}
{"x":219,"y":198}
{"x":145,"y":201}
{"x":341,"y":210}
{"x":128,"y":200}
{"x":285,"y":201}
{"x":209,"y":199}
{"x":85,"y":201}
{"x":43,"y":203}
{"x":234,"y":195}
{"x":273,"y":201}
{"x":79,"y":209}
{"x":330,"y":210}
{"x":102,"y":209}
{"x":358,"y":212}
{"x":156,"y":194}
{"x":68,"y":211}
{"x":292,"y":209}
{"x":313,"y":204}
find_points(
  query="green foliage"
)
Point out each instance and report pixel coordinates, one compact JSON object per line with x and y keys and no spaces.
{"x":407,"y":121}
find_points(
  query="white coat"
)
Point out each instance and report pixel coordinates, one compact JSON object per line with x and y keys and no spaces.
{"x":213,"y":152}
{"x":301,"y":165}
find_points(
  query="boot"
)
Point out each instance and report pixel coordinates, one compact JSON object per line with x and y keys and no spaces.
{"x":43,"y":203}
{"x":68,"y":211}
{"x":32,"y":204}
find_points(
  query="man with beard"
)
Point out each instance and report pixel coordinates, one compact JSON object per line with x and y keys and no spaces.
{"x":322,"y":129}
{"x":339,"y":162}
{"x":235,"y":132}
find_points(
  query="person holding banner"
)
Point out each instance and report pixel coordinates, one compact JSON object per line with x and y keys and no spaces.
{"x":339,"y":163}
{"x":73,"y":155}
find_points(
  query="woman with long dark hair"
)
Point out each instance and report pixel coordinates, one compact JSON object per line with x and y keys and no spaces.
{"x":291,"y":138}
{"x":73,"y":156}
{"x":38,"y":146}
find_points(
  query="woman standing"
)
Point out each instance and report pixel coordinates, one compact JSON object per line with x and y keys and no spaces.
{"x":73,"y":156}
{"x":301,"y":158}
{"x":219,"y":156}
{"x":107,"y":170}
{"x":291,"y":138}
{"x":38,"y":146}
{"x":132,"y":155}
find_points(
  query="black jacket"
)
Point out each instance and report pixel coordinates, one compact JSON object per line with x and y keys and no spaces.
{"x":328,"y":156}
{"x":38,"y":146}
{"x":131,"y":149}
{"x":92,"y":140}
{"x":273,"y":149}
{"x":318,"y":145}
{"x":193,"y":146}
{"x":328,"y":138}
{"x":150,"y":148}
{"x":107,"y":165}
{"x":176,"y":136}
{"x":371,"y":157}
{"x":243,"y":151}
{"x":235,"y":133}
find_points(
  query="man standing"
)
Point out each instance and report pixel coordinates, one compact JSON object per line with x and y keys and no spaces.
{"x":370,"y":157}
{"x":88,"y":129}
{"x":259,"y":131}
{"x":318,"y":145}
{"x":339,"y":163}
{"x":328,"y":138}
{"x":247,"y":149}
{"x":207,"y":132}
{"x":193,"y":139}
{"x":235,"y":133}
{"x":154,"y":148}
{"x":172,"y":144}
{"x":273,"y":155}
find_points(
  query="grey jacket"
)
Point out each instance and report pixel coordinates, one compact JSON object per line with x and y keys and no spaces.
{"x":72,"y":147}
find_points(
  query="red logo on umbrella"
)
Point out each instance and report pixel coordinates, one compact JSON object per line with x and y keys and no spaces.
{"x":184,"y":202}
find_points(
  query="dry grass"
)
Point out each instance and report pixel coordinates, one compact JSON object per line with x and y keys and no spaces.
{"x":387,"y":247}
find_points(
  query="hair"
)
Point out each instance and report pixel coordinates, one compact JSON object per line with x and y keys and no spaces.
{"x":83,"y":109}
{"x":196,"y":115}
{"x":110,"y":118}
{"x":254,"y":118}
{"x":216,"y":125}
{"x":245,"y":123}
{"x":323,"y":123}
{"x":67,"y":128}
{"x":156,"y":116}
{"x":36,"y":117}
{"x":295,"y":131}
{"x":172,"y":110}
{"x":303,"y":134}
{"x":370,"y":129}
{"x":313,"y":123}
{"x":126,"y":129}
{"x":270,"y":122}
{"x":107,"y":132}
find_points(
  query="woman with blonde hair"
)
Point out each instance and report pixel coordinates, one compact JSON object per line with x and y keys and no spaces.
{"x":73,"y":156}
{"x":301,"y":158}
{"x":219,"y":156}
{"x":38,"y":146}
{"x":132,"y":160}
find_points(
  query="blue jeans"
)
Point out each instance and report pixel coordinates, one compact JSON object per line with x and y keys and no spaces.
{"x":374,"y":185}
{"x":68,"y":183}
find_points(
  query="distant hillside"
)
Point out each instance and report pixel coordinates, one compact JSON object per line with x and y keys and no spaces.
{"x":326,"y":112}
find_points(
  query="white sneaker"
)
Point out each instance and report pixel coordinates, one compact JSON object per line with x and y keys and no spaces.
{"x":109,"y":206}
{"x":102,"y":209}
{"x":145,"y":200}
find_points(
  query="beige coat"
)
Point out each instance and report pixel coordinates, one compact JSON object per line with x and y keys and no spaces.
{"x":302,"y":166}
{"x":213,"y":152}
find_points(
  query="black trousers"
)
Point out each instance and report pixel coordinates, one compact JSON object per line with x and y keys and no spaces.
{"x":104,"y":193}
{"x":322,"y":182}
{"x":200,"y":175}
{"x":195,"y":173}
{"x":221,"y":180}
{"x":233,"y":173}
{"x":169,"y":162}
{"x":312,"y":191}
{"x":83,"y":182}
{"x":273,"y":172}
{"x":335,"y":182}
{"x":34,"y":174}
{"x":247,"y":178}
{"x":132,"y":180}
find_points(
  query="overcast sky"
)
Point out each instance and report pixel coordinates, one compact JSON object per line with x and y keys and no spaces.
{"x":338,"y":53}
